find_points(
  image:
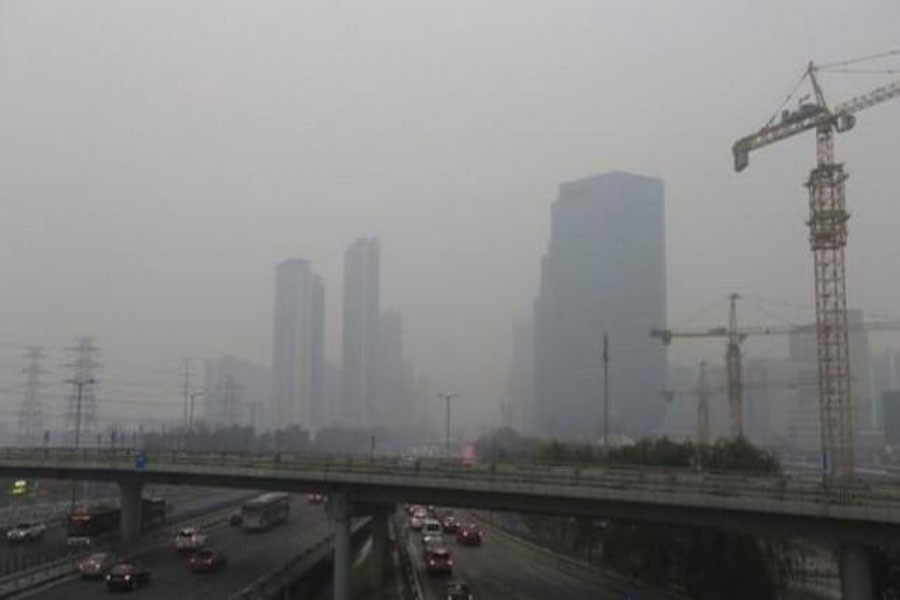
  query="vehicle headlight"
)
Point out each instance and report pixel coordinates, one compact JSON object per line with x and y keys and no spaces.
{"x":127,"y":577}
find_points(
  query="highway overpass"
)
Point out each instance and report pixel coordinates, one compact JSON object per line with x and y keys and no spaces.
{"x":850,"y":515}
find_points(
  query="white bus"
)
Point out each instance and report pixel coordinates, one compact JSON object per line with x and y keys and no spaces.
{"x":263,"y":512}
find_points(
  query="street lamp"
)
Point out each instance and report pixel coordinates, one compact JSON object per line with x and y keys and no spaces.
{"x":447,"y":398}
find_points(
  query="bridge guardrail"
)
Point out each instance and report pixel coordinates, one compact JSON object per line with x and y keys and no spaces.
{"x":272,"y":584}
{"x":783,"y":487}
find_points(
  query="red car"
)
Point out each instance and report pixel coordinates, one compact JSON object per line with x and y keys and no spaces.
{"x":206,"y":561}
{"x":438,"y":562}
{"x":468,"y":535}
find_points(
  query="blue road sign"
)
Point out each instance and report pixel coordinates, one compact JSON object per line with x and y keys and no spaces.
{"x":140,"y":461}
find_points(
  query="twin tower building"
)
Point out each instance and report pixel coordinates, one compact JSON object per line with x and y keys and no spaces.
{"x":299,"y":369}
{"x":604,"y":273}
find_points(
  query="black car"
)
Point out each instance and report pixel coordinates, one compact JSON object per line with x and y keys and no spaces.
{"x":127,"y":575}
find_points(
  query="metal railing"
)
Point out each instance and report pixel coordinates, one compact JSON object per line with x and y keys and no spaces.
{"x":437,"y":473}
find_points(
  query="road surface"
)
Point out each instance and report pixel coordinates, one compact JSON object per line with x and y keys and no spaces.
{"x":250,"y":555}
{"x":506,"y":568}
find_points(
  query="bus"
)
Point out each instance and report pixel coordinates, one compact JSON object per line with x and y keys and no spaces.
{"x":265,"y":511}
{"x":86,"y":525}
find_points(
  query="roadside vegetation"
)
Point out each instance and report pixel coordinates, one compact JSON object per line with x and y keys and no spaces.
{"x":702,"y":562}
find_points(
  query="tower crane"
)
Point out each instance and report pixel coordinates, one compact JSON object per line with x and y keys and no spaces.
{"x":828,"y":237}
{"x":735,"y":336}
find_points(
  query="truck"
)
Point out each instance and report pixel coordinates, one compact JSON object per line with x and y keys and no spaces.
{"x":86,"y":526}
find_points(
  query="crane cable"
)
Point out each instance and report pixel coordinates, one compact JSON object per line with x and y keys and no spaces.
{"x":853,"y":61}
{"x":786,"y":99}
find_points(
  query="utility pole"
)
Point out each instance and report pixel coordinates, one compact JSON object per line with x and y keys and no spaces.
{"x":30,"y":415}
{"x":447,"y":398}
{"x":605,"y":392}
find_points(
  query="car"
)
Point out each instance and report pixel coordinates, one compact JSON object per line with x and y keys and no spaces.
{"x":438,"y":561}
{"x":189,"y":539}
{"x":431,"y":528}
{"x":26,"y":531}
{"x":418,"y":518}
{"x":127,"y":575}
{"x":207,"y":560}
{"x":235,"y":519}
{"x":458,"y":590}
{"x":468,"y":535}
{"x":315,"y":498}
{"x":450,"y":524}
{"x":97,"y":564}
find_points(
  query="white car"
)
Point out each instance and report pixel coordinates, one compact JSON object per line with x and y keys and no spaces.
{"x":26,"y":531}
{"x":431,"y":528}
{"x":189,"y":539}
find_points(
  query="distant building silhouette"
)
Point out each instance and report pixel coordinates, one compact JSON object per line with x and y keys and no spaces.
{"x":298,"y":349}
{"x":360,"y":335}
{"x":392,"y":407}
{"x":234,"y":389}
{"x":604,"y":271}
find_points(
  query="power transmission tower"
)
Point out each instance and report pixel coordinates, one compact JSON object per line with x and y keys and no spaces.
{"x":231,"y":400}
{"x":31,"y":421}
{"x":81,"y":416}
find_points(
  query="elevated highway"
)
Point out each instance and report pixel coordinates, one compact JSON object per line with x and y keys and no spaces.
{"x":850,"y":515}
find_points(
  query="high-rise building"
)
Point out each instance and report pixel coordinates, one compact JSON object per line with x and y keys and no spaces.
{"x":390,"y":394}
{"x":604,"y":271}
{"x":298,"y":347}
{"x":520,"y":380}
{"x":361,"y":316}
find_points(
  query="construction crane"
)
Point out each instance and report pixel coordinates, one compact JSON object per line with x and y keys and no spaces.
{"x":701,"y":392}
{"x":735,"y":336}
{"x":732,"y":360}
{"x":828,"y":237}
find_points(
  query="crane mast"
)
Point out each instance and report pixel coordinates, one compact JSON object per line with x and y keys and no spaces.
{"x":702,"y":407}
{"x":827,"y":237}
{"x":735,"y":372}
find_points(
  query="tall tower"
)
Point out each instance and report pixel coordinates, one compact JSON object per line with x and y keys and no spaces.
{"x":81,"y":416}
{"x":31,"y":424}
{"x":604,"y":271}
{"x":298,"y":346}
{"x":361,"y":316}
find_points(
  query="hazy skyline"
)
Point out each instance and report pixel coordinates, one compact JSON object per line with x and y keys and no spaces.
{"x":158,"y":158}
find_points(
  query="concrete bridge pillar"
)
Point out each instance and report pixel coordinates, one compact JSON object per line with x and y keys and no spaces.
{"x":130,"y":523}
{"x":340,"y":513}
{"x":856,"y":572}
{"x":381,"y":546}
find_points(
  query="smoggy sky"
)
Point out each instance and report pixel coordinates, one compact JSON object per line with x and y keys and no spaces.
{"x":157,"y":158}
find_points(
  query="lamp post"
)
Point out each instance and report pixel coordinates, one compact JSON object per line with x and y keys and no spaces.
{"x":447,"y":398}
